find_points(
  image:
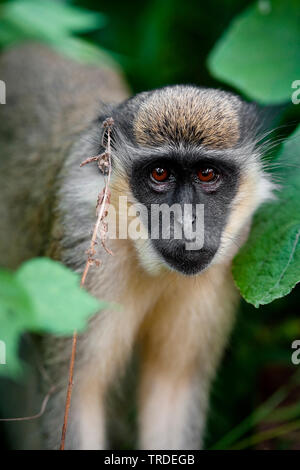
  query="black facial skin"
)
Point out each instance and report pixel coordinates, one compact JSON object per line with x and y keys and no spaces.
{"x":183,"y":186}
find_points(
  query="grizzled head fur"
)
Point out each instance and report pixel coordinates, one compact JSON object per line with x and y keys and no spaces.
{"x":186,"y":114}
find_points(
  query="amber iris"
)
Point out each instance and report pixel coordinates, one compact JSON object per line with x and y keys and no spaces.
{"x":206,"y":174}
{"x":160,"y":174}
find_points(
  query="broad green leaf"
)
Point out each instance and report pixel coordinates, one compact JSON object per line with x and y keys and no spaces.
{"x":15,"y":315}
{"x":54,"y":23}
{"x":50,"y":17}
{"x":42,"y":296}
{"x":58,"y":303}
{"x":268,"y":265}
{"x":260,"y":52}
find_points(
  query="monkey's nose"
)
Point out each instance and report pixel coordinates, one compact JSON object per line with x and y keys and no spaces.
{"x":187,"y":223}
{"x":186,"y":219}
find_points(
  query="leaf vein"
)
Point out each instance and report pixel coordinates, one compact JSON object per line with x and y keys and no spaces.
{"x":285,"y":268}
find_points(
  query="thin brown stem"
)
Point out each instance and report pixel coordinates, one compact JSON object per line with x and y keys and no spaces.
{"x":104,"y":164}
{"x":38,"y":415}
{"x":69,"y":392}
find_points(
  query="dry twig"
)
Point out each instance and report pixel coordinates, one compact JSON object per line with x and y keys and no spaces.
{"x":103,"y":200}
{"x":38,"y":415}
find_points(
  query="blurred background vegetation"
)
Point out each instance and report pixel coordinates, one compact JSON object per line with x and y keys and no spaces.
{"x":220,"y":43}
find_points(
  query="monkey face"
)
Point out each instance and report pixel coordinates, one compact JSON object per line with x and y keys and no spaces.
{"x":191,"y":159}
{"x":187,"y":196}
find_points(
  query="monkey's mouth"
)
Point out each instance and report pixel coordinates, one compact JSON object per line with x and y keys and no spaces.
{"x":188,"y":262}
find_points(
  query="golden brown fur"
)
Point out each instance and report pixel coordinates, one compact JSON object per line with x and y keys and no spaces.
{"x":188,"y":115}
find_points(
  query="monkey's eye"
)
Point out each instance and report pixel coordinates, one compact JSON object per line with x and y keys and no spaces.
{"x":160,"y":174}
{"x":207,"y":174}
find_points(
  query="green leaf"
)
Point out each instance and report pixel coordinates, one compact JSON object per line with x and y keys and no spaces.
{"x":259,"y":53}
{"x":50,"y":18}
{"x":42,"y":296}
{"x":15,"y":315}
{"x":58,"y":303}
{"x":268,"y":265}
{"x":54,"y":23}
